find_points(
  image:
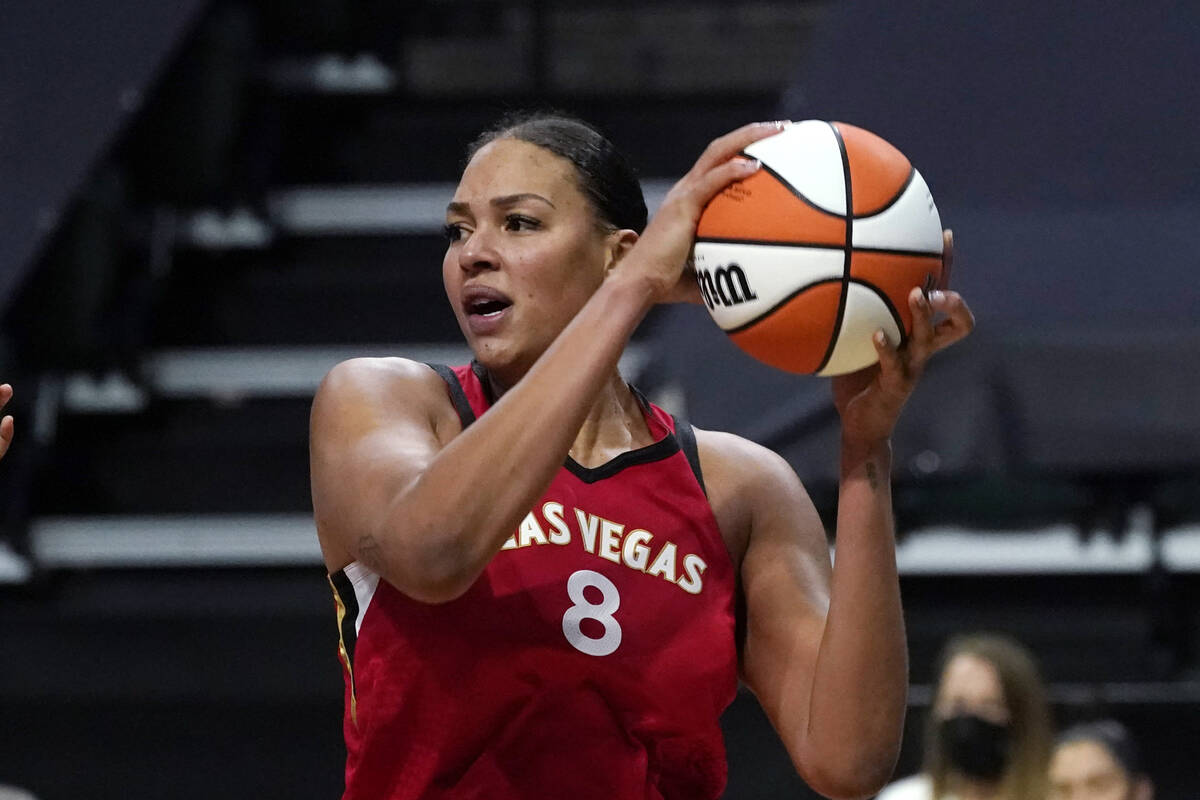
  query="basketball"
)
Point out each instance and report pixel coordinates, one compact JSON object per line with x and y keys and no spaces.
{"x":803,"y":261}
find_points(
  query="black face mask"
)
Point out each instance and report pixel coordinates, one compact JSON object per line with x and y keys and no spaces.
{"x":973,"y":746}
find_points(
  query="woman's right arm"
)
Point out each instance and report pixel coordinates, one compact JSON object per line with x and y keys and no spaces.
{"x":428,"y":513}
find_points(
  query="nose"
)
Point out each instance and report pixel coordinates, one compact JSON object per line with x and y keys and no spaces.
{"x":478,"y":252}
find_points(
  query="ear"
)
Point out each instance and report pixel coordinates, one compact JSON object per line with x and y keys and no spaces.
{"x":619,"y":243}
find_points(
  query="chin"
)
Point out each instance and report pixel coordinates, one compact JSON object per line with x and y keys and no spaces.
{"x":504,"y":360}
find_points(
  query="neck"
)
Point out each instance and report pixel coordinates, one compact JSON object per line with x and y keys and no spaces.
{"x":615,"y":424}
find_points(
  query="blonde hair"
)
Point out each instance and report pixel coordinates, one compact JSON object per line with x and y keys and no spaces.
{"x":1025,"y":776}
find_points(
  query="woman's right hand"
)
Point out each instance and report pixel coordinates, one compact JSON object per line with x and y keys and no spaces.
{"x":6,"y":424}
{"x":660,"y":256}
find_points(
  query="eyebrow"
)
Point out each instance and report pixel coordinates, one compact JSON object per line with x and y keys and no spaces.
{"x":456,"y":207}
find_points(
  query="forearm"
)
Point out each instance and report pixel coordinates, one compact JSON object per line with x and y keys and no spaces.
{"x":861,"y":674}
{"x":446,"y":525}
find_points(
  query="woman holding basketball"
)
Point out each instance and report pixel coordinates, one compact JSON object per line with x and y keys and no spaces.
{"x":547,"y":585}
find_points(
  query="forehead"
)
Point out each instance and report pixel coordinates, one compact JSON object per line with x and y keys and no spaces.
{"x":969,"y":677}
{"x":1082,"y":760}
{"x":508,"y":167}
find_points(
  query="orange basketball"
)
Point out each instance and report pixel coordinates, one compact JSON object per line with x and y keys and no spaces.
{"x":804,"y":260}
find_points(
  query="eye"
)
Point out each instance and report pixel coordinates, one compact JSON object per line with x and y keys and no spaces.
{"x":520,"y":222}
{"x":453,"y":232}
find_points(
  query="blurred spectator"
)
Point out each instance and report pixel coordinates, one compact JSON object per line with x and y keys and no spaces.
{"x":1098,"y":761}
{"x":988,"y":735}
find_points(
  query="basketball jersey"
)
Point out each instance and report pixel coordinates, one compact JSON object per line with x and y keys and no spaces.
{"x":592,"y":658}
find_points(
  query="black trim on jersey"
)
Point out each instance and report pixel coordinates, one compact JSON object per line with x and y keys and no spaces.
{"x":663,"y":448}
{"x":687,"y":443}
{"x":485,"y":381}
{"x":345,"y":591}
{"x":457,"y":396}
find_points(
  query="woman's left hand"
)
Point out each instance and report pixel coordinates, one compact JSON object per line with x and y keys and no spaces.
{"x":869,"y":401}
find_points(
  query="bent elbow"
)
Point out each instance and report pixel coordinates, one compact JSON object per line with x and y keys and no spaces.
{"x":846,"y":787}
{"x":435,"y":593}
{"x":850,"y":774}
{"x":433,"y":573}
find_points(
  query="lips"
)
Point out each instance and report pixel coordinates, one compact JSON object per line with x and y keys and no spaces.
{"x":484,"y":307}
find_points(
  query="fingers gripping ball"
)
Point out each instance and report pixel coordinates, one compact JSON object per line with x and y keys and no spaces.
{"x":803,"y":261}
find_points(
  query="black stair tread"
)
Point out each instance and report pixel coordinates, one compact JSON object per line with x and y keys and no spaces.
{"x":181,"y":456}
{"x":396,"y":139}
{"x":314,"y":290}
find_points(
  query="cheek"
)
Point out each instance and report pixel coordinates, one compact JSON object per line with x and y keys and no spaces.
{"x":451,"y":277}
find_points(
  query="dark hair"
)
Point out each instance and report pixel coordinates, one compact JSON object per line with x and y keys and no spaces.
{"x":1112,"y":736}
{"x":1026,"y":775}
{"x":605,"y":176}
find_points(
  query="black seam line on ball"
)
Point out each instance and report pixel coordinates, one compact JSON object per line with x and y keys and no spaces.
{"x":766,"y":243}
{"x":895,"y":198}
{"x":891,"y":307}
{"x":841,"y":312}
{"x":885,"y":251}
{"x":791,"y":295}
{"x":892,"y":251}
{"x":788,"y":185}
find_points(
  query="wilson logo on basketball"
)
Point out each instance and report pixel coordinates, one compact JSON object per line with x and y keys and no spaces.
{"x":726,"y":286}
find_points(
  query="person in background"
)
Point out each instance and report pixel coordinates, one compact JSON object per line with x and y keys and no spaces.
{"x":6,"y":423}
{"x":989,"y":732}
{"x":1098,"y":761}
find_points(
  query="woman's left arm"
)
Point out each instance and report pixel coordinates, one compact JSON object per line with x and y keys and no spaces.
{"x":825,"y":650}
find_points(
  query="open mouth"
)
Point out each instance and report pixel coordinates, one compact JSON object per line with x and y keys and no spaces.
{"x":487,"y":308}
{"x":483,"y":304}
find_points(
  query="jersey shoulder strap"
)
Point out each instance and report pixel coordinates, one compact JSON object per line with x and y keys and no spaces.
{"x":686,"y":437}
{"x":466,"y":415}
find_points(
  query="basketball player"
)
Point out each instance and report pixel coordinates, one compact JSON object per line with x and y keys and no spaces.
{"x":548,"y":587}
{"x":6,"y":424}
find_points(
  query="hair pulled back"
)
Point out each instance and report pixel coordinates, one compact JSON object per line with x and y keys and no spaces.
{"x":605,"y":176}
{"x":1112,"y":736}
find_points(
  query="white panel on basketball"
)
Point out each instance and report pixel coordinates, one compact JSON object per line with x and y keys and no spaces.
{"x":865,"y":313}
{"x":772,"y":274}
{"x":806,"y":155}
{"x":911,"y":223}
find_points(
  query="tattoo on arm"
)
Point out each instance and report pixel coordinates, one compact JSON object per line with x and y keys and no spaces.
{"x":872,"y":475}
{"x":368,"y":552}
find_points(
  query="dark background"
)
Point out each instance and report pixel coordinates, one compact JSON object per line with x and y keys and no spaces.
{"x":207,"y":204}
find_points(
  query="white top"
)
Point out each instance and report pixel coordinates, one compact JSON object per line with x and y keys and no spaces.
{"x":14,"y":793}
{"x":914,"y":787}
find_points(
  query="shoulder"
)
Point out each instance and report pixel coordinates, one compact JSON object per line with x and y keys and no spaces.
{"x":385,"y":382}
{"x":738,"y":458}
{"x":369,"y":393}
{"x":914,"y":787}
{"x":368,"y":376}
{"x":737,"y":466}
{"x":746,"y":484}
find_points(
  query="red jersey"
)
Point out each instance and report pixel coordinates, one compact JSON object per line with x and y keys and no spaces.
{"x":591,"y":659}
